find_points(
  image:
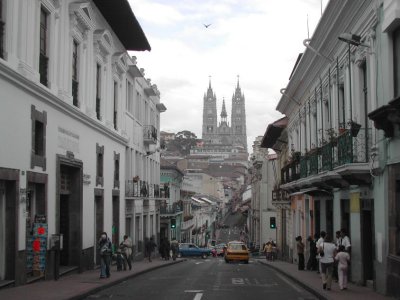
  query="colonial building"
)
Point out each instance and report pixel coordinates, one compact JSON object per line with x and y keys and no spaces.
{"x":261,"y":212}
{"x":78,"y":119}
{"x":337,"y":168}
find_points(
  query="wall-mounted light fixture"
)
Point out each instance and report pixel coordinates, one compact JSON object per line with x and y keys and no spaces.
{"x":282,"y":91}
{"x":352,"y":39}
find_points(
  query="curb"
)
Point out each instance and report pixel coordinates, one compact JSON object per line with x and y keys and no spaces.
{"x":110,"y":284}
{"x":299,"y":282}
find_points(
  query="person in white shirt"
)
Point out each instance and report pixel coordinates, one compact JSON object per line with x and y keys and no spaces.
{"x":343,"y":258}
{"x":327,"y":252}
{"x":345,"y":240}
{"x":318,"y":244}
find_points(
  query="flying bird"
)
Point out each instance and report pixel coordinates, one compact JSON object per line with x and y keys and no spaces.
{"x":207,"y":25}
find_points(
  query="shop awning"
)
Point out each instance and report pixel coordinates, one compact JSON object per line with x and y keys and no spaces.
{"x":206,"y":200}
{"x":313,"y":191}
{"x":197,"y":200}
{"x":272,"y":137}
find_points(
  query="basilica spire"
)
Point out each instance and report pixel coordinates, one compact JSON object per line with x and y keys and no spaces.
{"x":224,"y":115}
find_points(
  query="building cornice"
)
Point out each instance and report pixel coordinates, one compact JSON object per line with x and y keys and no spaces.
{"x":43,"y":94}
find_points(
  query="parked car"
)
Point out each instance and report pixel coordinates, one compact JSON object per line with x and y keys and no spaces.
{"x":237,"y":251}
{"x":220,"y":249}
{"x":189,"y":249}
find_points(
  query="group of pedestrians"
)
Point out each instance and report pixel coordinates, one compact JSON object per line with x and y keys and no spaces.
{"x":105,"y":249}
{"x":329,"y":258}
{"x":269,"y":249}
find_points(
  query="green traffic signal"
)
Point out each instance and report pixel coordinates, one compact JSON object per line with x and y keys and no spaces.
{"x":272,"y":222}
{"x":173,"y":223}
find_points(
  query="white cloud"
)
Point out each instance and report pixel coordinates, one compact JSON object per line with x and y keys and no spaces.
{"x":257,"y":39}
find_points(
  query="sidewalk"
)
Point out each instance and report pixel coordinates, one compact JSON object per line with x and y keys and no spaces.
{"x":312,"y":282}
{"x":79,"y":286}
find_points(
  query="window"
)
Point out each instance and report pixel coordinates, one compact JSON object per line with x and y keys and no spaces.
{"x":116,"y":170}
{"x":43,"y":58}
{"x":115,"y":115}
{"x":1,"y":30}
{"x":99,"y":164}
{"x":39,"y":121}
{"x":396,"y":62}
{"x":341,"y":106}
{"x":75,"y":74}
{"x":98,"y":92}
{"x":129,"y":97}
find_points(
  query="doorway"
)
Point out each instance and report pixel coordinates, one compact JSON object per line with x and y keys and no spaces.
{"x":2,"y":231}
{"x":69,"y":208}
{"x":115,"y":219}
{"x":367,"y":239}
{"x":99,"y":219}
{"x":8,"y":227}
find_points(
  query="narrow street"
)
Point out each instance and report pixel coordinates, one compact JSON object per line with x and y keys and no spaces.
{"x":210,"y":278}
{"x":207,"y":279}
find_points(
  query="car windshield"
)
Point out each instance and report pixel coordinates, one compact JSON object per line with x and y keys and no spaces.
{"x":237,"y":247}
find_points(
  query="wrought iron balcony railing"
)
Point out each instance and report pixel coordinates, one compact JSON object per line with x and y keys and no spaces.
{"x":170,"y":209}
{"x":143,"y":189}
{"x":43,"y":68}
{"x":149,"y":134}
{"x":347,"y":148}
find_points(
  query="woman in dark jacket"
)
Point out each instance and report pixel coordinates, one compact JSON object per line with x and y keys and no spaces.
{"x":312,"y":263}
{"x":105,"y":250}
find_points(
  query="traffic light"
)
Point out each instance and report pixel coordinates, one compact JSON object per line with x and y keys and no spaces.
{"x":272,"y":222}
{"x":173,"y":223}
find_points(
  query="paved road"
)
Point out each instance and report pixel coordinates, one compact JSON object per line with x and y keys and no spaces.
{"x":207,"y":279}
{"x":233,"y":231}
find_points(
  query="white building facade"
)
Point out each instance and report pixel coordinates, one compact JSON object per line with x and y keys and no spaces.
{"x":74,"y":110}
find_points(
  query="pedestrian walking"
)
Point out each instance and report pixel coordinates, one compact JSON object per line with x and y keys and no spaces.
{"x":174,"y":249}
{"x":327,"y":252}
{"x":318,"y":245}
{"x":300,"y":253}
{"x":150,"y":246}
{"x":104,"y":247}
{"x":343,"y":259}
{"x":268,"y":251}
{"x":312,"y":263}
{"x":126,"y":248}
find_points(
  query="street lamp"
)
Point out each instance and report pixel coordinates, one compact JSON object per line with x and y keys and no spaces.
{"x":352,"y":39}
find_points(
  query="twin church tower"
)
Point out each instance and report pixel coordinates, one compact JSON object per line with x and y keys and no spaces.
{"x":221,"y":134}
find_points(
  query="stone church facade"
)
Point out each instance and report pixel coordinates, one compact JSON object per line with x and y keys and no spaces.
{"x":222,"y":134}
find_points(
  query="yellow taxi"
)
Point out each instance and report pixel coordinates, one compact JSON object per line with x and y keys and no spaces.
{"x":237,"y":251}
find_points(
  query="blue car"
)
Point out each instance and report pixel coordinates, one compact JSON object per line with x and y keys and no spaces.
{"x":188,"y":249}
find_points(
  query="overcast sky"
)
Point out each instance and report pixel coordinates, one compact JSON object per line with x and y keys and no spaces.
{"x":259,"y":40}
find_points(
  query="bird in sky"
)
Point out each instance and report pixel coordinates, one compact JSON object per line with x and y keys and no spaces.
{"x":207,"y":25}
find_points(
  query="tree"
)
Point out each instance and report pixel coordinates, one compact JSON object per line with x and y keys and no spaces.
{"x":183,"y":142}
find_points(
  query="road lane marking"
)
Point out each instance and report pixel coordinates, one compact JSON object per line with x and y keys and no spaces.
{"x":193,"y":291}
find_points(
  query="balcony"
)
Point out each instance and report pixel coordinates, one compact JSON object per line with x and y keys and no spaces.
{"x":347,"y":153}
{"x":149,"y":134}
{"x":173,"y":209}
{"x":142,"y":189}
